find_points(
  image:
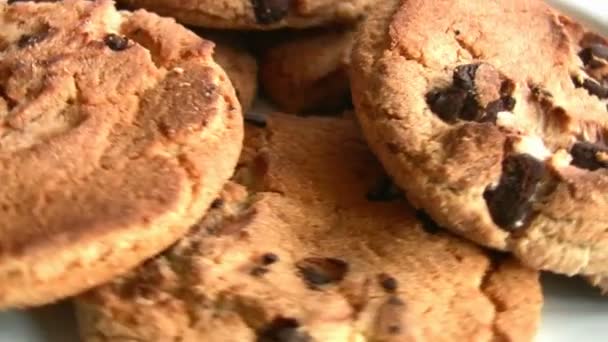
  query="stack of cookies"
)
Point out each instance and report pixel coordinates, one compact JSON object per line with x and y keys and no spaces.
{"x":138,"y":180}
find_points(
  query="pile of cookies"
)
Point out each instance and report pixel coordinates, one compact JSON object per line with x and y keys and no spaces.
{"x":139,"y":181}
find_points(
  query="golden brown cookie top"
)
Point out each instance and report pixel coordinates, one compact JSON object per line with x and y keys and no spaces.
{"x":315,"y":248}
{"x":493,"y":117}
{"x":108,"y":121}
{"x":258,"y":14}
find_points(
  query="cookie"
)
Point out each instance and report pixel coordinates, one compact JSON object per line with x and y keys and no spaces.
{"x":308,"y":72}
{"x":242,"y":69}
{"x":500,"y":136}
{"x":257,"y":14}
{"x":315,"y":248}
{"x":117,"y":131}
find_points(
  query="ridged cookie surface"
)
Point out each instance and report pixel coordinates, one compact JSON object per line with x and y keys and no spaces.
{"x":494,"y":119}
{"x":117,"y":131}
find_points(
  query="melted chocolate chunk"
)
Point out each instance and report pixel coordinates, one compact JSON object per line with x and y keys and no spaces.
{"x":463,"y":99}
{"x":589,"y":156}
{"x":32,"y":39}
{"x":116,"y":42}
{"x":510,"y":203}
{"x":384,"y":191}
{"x":503,"y":104}
{"x":594,"y":51}
{"x":322,"y":271}
{"x":270,"y":11}
{"x":464,"y":76}
{"x":447,"y":103}
{"x":282,"y":330}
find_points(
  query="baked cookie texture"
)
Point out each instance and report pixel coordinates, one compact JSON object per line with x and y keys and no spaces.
{"x":301,"y":254}
{"x":117,"y":131}
{"x":499,"y":135}
{"x":257,"y":14}
{"x":242,"y":69}
{"x":308,"y":72}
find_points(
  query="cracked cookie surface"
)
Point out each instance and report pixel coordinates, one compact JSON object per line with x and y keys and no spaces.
{"x":315,"y":248}
{"x":117,"y":130}
{"x":257,"y":14}
{"x":500,"y":136}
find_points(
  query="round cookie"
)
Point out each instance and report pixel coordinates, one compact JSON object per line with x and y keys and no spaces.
{"x":242,"y":69}
{"x":499,"y":136}
{"x":117,"y":131}
{"x":257,"y":14}
{"x":308,"y":72}
{"x":308,"y":253}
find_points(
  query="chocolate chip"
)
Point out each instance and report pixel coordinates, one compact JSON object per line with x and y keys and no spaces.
{"x":282,"y":330}
{"x":595,"y":51}
{"x":32,"y":39}
{"x":256,"y":119}
{"x":217,"y":203}
{"x":447,"y":103}
{"x":383,"y":191}
{"x":269,"y":258}
{"x":464,"y":76}
{"x":116,"y":42}
{"x":589,"y":156}
{"x":258,"y":271}
{"x":270,"y":11}
{"x":322,"y":271}
{"x":594,"y":88}
{"x":521,"y":182}
{"x":478,"y":93}
{"x":427,"y":223}
{"x":504,"y":104}
{"x":388,"y":283}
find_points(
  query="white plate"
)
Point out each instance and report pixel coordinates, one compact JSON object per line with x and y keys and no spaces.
{"x":573,"y":310}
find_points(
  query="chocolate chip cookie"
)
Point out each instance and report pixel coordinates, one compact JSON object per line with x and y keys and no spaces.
{"x":242,"y":69}
{"x":117,"y":131}
{"x":308,"y":72}
{"x":317,"y":247}
{"x":257,"y":14}
{"x":493,"y":117}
